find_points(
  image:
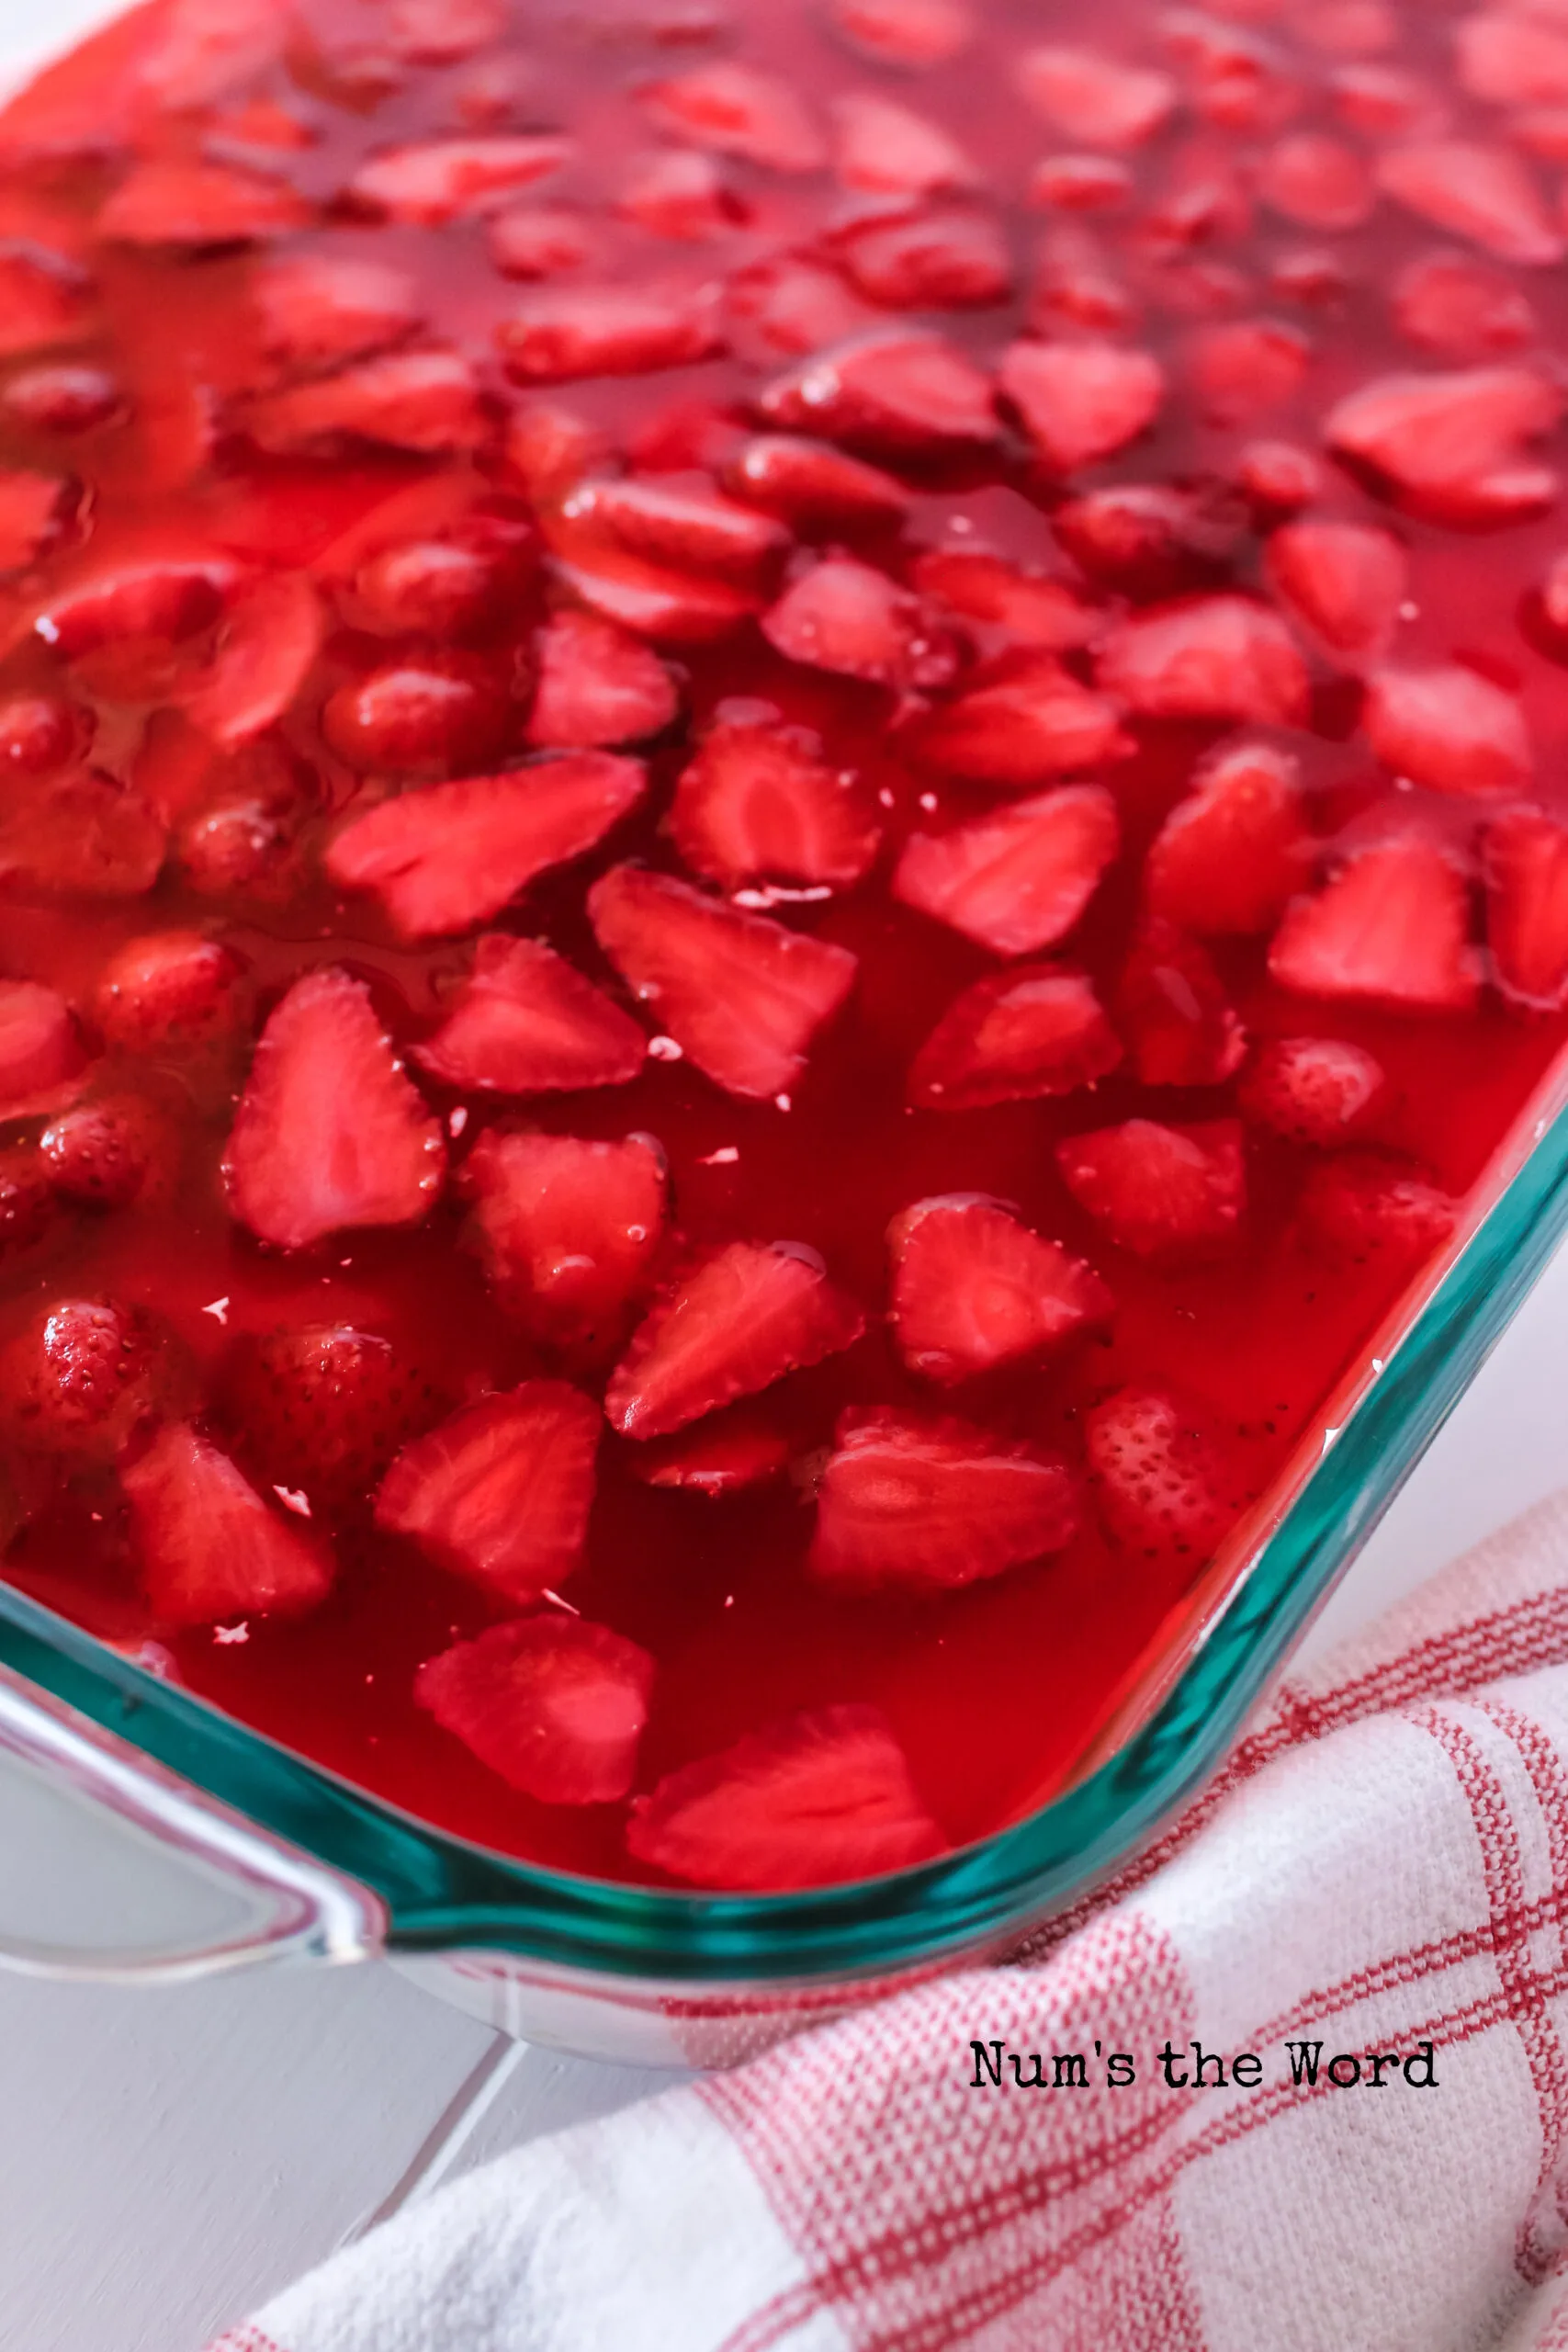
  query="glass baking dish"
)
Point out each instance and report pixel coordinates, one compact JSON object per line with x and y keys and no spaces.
{"x":198,"y":1844}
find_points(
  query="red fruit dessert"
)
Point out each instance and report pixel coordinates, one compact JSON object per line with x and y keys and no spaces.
{"x":782,"y":832}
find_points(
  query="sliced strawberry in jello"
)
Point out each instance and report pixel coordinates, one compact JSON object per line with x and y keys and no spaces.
{"x":1082,"y":401}
{"x":437,"y":180}
{"x":786,"y":304}
{"x":268,"y":645}
{"x":166,"y":989}
{"x":1024,"y":721}
{"x":1458,"y":307}
{"x":198,"y":205}
{"x":813,"y":486}
{"x":742,"y":996}
{"x":974,"y":1288}
{"x":330,"y":1132}
{"x":316,"y":309}
{"x":1346,"y":580}
{"x":318,"y":1410}
{"x":849,"y":617}
{"x":566,"y":1228}
{"x":422,"y":401}
{"x":1096,"y":98}
{"x":927,"y":257}
{"x":1525,"y":859}
{"x":913,"y":34}
{"x":1160,"y":1190}
{"x":1456,"y":447}
{"x":1391,"y":925}
{"x":42,"y":1060}
{"x":1037,"y":1029}
{"x":897,"y":391}
{"x":553,"y":1705}
{"x":1480,"y":192}
{"x":421,"y":714}
{"x":525,"y":1022}
{"x":501,"y":1493}
{"x":1023,"y":605}
{"x":690,"y":526}
{"x":1166,"y":1483}
{"x":670,"y":607}
{"x":1449,"y":729}
{"x":1171,"y":1007}
{"x":1367,"y":1203}
{"x":32,"y":507}
{"x":562,"y":333}
{"x":888,"y":149}
{"x":82,"y":1377}
{"x":936,"y":1504}
{"x":737,"y":110}
{"x":1207,"y":657}
{"x":1243,"y":369}
{"x":1232,"y":853}
{"x":44,"y":296}
{"x":676,"y":193}
{"x":597,"y":686}
{"x":209,"y":1548}
{"x":455,"y":855}
{"x":760,"y":802}
{"x":737,"y":1321}
{"x":1018,"y":881}
{"x":1320,"y":1090}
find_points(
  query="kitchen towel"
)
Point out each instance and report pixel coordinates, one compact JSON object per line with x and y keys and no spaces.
{"x":1360,"y":1926}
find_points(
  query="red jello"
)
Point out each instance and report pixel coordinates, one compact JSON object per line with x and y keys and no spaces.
{"x":780,"y":825}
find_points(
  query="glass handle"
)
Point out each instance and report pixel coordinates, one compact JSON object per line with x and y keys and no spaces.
{"x":112,"y":1869}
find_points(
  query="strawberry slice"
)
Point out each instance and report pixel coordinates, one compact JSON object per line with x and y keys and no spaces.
{"x":671,"y":607}
{"x":81,"y":1378}
{"x":1454,"y":448}
{"x":1512,"y":60}
{"x":266,"y":649}
{"x":40,"y":734}
{"x":735,"y":111}
{"x":1346,"y":580}
{"x":812,"y":486}
{"x":1025,"y":607}
{"x":315,"y":310}
{"x":61,"y":398}
{"x":738,"y":1321}
{"x":818,"y":1799}
{"x":1471,"y":190}
{"x":597,"y":685}
{"x":566,"y":1228}
{"x":1164,"y":1483}
{"x":928,"y":258}
{"x":1037,"y":1029}
{"x":721,"y":1456}
{"x":166,"y":596}
{"x":198,"y":205}
{"x":166,"y":989}
{"x":321,"y":1409}
{"x":1207,"y":657}
{"x":692,"y":530}
{"x":1317,"y":181}
{"x":329,"y":1132}
{"x":81,"y":834}
{"x":1448,"y":728}
{"x":553,"y":1705}
{"x":1458,"y":307}
{"x":43,"y":296}
{"x":432,"y":181}
{"x":445,"y":32}
{"x":760,"y":802}
{"x":1393,"y":926}
{"x":1243,"y":369}
{"x":1368,"y":1204}
{"x":1172,"y":1009}
{"x":210,"y":1549}
{"x":1094,"y":98}
{"x":501,"y":1492}
{"x":785,"y":302}
{"x":453,"y":856}
{"x":886,"y":149}
{"x":108,"y":1153}
{"x":423,"y":402}
{"x":680,"y":194}
{"x":741,"y":996}
{"x":1018,"y":880}
{"x":42,"y":1064}
{"x":1082,"y":401}
{"x":1144,"y":539}
{"x":897,"y":391}
{"x":934,"y":1505}
{"x":562,"y":333}
{"x":1160,"y":1190}
{"x":914,"y":34}
{"x":421,"y":714}
{"x":1318,"y":1091}
{"x":845,"y":616}
{"x":1229,"y":856}
{"x":1029,"y":720}
{"x":541,"y":241}
{"x":32,"y":511}
{"x":972,"y":1287}
{"x":525,"y":1022}
{"x":1525,"y":859}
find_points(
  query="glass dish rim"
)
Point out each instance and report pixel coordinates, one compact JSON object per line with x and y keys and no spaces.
{"x":442,"y":1893}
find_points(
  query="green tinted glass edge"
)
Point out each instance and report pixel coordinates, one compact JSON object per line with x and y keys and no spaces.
{"x":441,"y":1892}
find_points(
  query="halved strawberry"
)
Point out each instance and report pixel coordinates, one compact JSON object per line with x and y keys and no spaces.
{"x":41,"y":733}
{"x":846,"y":617}
{"x":423,"y":402}
{"x":454,"y":854}
{"x":1034,"y":1030}
{"x":1473,"y":190}
{"x":972,"y":1287}
{"x":888,"y":150}
{"x":1230,"y":854}
{"x":82,"y":834}
{"x":321,"y":1409}
{"x":1207,"y":657}
{"x":898,"y":391}
{"x":329,"y":1132}
{"x":266,"y":646}
{"x":108,"y":1152}
{"x":501,"y":1492}
{"x":1347,"y":581}
{"x":43,"y":1062}
{"x":32,"y":509}
{"x":1367,"y":1203}
{"x":1027,"y":720}
{"x":432,"y":181}
{"x":735,"y":1322}
{"x":1026,"y":607}
{"x":759,"y":801}
{"x":210,"y":1549}
{"x":811,"y":485}
{"x":562,"y":333}
{"x":525,"y":1022}
{"x":818,"y":1799}
{"x":1318,"y":1091}
{"x":198,"y":205}
{"x":1166,"y":1483}
{"x":1082,"y":401}
{"x":1018,"y":880}
{"x":722,"y":1454}
{"x":933,"y":1505}
{"x":1096,"y":98}
{"x":740,"y":995}
{"x":914,"y":34}
{"x":166,"y":989}
{"x":667,"y":520}
{"x":926,"y":258}
{"x":1171,"y":1007}
{"x":1459,"y":307}
{"x":597,"y":685}
{"x":421,"y":712}
{"x":737,"y":110}
{"x":1158,"y":1189}
{"x":316,"y":309}
{"x":1393,"y":926}
{"x":1448,"y":728}
{"x":553,"y":1705}
{"x":1525,"y":860}
{"x":566,"y":1228}
{"x":1455,"y":447}
{"x":82,"y":1377}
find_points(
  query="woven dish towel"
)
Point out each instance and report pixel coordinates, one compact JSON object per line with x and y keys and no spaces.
{"x":1374,"y":1893}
